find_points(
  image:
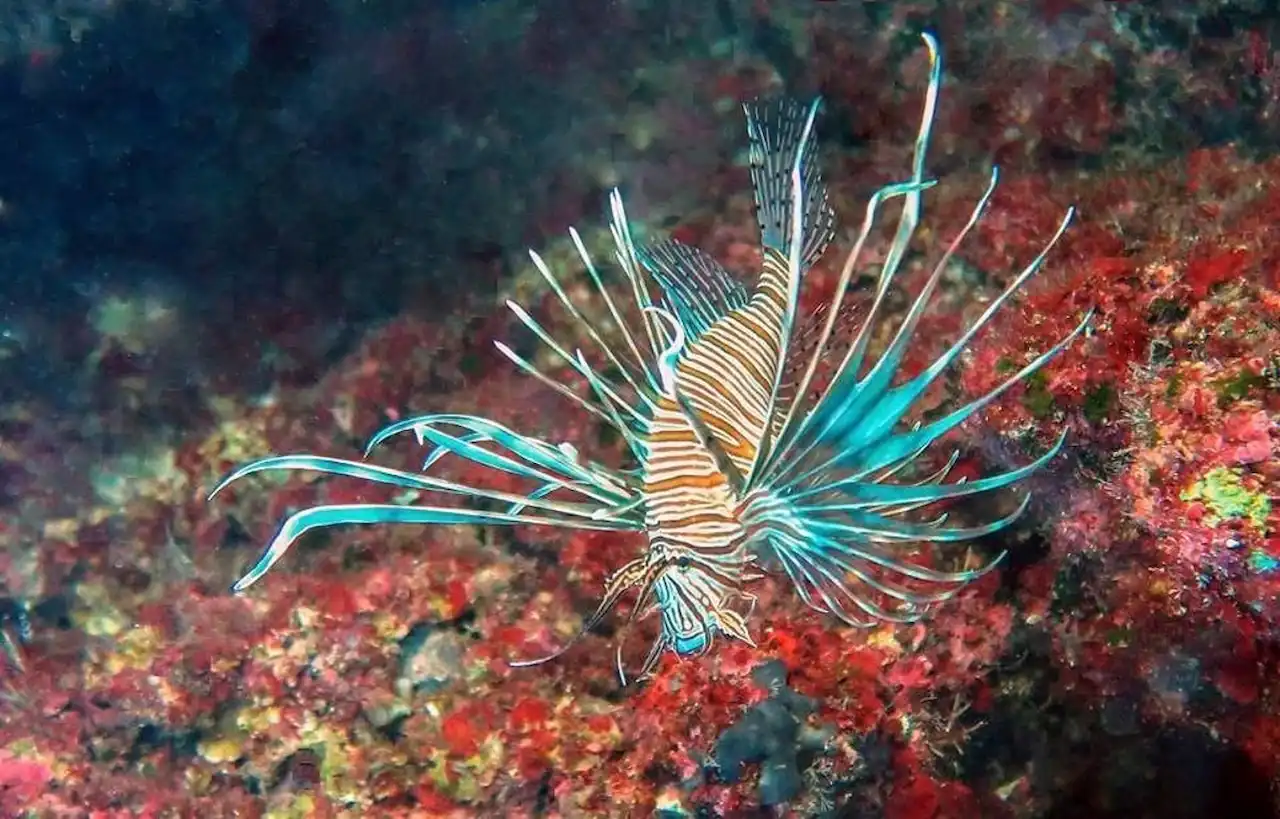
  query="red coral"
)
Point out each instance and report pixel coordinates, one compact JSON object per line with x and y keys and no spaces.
{"x":464,"y":729}
{"x":1211,"y":266}
{"x":21,"y":783}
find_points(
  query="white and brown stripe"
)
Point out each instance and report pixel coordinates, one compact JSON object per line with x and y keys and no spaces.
{"x":728,"y":374}
{"x":689,"y":503}
{"x":727,"y":378}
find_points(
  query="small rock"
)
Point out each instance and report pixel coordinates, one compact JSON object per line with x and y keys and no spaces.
{"x":430,"y":658}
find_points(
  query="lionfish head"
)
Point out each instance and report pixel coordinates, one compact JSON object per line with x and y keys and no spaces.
{"x":695,"y":601}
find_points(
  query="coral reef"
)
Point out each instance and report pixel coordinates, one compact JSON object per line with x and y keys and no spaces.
{"x":1119,"y":664}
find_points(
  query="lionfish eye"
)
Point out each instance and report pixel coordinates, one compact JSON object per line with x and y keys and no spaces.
{"x":683,"y":561}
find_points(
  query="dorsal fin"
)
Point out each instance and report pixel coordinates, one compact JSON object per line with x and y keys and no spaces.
{"x":697,"y":288}
{"x":776,"y":129}
{"x":796,"y":224}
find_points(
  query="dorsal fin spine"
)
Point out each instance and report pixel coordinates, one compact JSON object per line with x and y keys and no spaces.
{"x":796,"y":262}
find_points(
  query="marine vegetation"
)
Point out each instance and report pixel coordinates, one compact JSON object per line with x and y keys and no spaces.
{"x":748,"y":455}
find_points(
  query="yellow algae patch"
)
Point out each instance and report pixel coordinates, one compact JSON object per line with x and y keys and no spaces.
{"x":27,"y":750}
{"x":241,"y":437}
{"x":264,"y":736}
{"x":95,"y":614}
{"x":257,"y":720}
{"x":388,"y":628}
{"x":68,"y":529}
{"x":885,"y":638}
{"x":222,"y":750}
{"x":467,"y":779}
{"x":136,"y":648}
{"x":64,"y":529}
{"x":151,"y":473}
{"x":335,"y":751}
{"x":1225,"y":495}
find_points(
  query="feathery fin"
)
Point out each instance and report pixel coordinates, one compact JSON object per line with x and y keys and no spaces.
{"x":777,"y":130}
{"x":697,"y":287}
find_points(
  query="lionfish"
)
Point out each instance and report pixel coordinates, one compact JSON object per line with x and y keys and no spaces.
{"x":746,"y":458}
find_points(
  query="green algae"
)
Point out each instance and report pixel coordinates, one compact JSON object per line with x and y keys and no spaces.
{"x":1232,"y":389}
{"x":1224,"y":494}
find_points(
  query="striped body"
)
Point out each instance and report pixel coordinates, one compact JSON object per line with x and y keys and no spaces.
{"x":728,"y":374}
{"x":695,"y":540}
{"x":727,"y":378}
{"x":689,"y":504}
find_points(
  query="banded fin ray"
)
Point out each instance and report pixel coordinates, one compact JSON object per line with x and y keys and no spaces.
{"x":798,"y":415}
{"x":780,"y":141}
{"x":618,"y":514}
{"x":537,"y":452}
{"x":373,"y":514}
{"x":698,"y":288}
{"x":796,"y":225}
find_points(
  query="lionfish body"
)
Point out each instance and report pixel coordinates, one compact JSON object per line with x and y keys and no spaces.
{"x":742,"y":461}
